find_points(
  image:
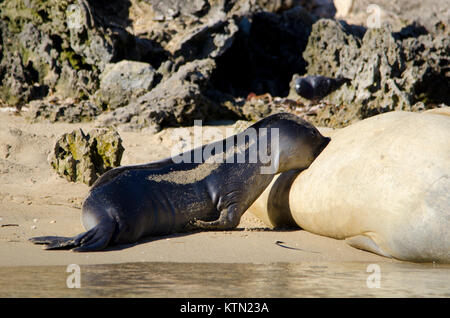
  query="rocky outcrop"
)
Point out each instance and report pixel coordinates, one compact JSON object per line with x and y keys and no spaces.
{"x":67,"y":110}
{"x":63,"y":45}
{"x":123,"y":82}
{"x":398,"y":14}
{"x":176,"y":101}
{"x":115,"y":53}
{"x":83,"y":158}
{"x":158,"y":63}
{"x":35,"y":31}
{"x":406,"y":70}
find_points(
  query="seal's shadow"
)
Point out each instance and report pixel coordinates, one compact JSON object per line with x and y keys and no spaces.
{"x":150,"y":239}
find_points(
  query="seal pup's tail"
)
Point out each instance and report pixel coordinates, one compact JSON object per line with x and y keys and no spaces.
{"x":95,"y":239}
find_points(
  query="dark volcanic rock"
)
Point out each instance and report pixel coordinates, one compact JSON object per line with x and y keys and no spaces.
{"x":61,"y":47}
{"x":67,"y":110}
{"x":255,"y":49}
{"x":265,"y":54}
{"x":165,"y":62}
{"x":16,"y":88}
{"x":389,"y":70}
{"x":155,"y":63}
{"x":37,"y":33}
{"x":123,"y":82}
{"x":178,"y":100}
{"x":170,"y":9}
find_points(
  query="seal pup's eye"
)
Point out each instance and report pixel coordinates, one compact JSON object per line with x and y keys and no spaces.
{"x":313,"y":133}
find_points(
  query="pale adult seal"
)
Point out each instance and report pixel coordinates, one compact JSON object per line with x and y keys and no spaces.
{"x":382,"y":184}
{"x":163,"y":197}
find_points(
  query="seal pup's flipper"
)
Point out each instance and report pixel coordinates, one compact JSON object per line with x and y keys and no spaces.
{"x":56,"y":241}
{"x":228,"y":219}
{"x":95,"y":239}
{"x":366,"y":243}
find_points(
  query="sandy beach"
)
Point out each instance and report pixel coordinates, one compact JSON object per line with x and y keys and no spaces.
{"x":35,"y":201}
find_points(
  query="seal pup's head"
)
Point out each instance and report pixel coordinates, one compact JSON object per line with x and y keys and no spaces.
{"x":298,"y":144}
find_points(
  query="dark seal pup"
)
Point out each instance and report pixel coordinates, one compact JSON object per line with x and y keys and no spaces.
{"x":202,"y":192}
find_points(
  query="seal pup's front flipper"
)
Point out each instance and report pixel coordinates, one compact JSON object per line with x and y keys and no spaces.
{"x":95,"y":239}
{"x":366,"y":243}
{"x":228,"y":219}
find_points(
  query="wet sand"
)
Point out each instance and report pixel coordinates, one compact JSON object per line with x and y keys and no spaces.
{"x":189,"y":280}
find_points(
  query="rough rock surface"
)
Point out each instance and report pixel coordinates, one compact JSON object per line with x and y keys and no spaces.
{"x":83,"y":158}
{"x":399,"y":13}
{"x":405,"y":70}
{"x":176,"y":101}
{"x":67,"y":48}
{"x":123,"y":82}
{"x":36,"y":31}
{"x":255,"y":108}
{"x":67,"y":110}
{"x":134,"y":55}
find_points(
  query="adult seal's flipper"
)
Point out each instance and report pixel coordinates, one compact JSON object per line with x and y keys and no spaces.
{"x":95,"y":239}
{"x":366,"y":243}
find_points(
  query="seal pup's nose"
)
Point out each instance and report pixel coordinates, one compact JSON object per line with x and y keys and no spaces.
{"x":326,"y":141}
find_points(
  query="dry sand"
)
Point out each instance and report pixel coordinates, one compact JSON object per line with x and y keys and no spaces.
{"x":34,"y":201}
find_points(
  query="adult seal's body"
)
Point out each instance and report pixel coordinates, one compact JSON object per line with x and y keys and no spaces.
{"x":382,"y":184}
{"x":210,"y":191}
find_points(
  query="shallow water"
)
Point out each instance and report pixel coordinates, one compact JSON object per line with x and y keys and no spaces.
{"x":229,"y":280}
